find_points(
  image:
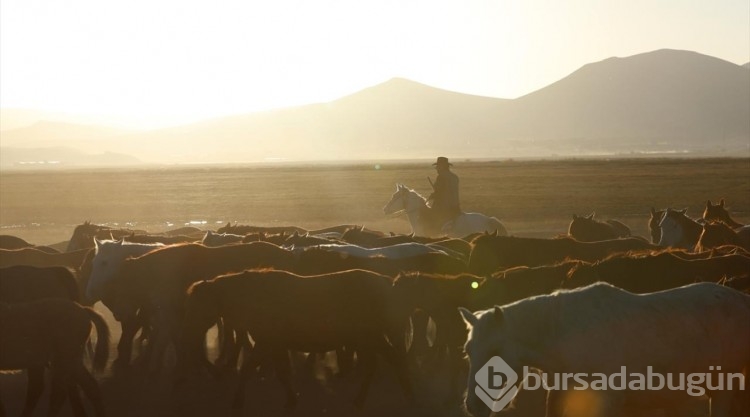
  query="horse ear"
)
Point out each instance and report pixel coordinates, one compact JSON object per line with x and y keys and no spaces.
{"x":683,"y":211}
{"x":494,"y":233}
{"x":591,"y":215}
{"x":97,"y":243}
{"x":721,"y":203}
{"x":469,"y":318}
{"x":229,"y":224}
{"x":498,"y":313}
{"x":653,"y":212}
{"x":708,"y":203}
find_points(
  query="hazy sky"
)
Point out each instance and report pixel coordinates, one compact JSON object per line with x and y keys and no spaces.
{"x":153,"y":62}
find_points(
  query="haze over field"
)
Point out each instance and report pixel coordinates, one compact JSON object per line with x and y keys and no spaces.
{"x":292,"y":81}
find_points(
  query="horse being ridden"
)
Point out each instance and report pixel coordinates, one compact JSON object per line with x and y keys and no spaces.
{"x":415,"y":206}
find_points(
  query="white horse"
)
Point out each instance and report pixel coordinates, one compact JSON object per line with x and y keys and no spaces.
{"x":600,"y":328}
{"x":678,"y":230}
{"x":415,"y":206}
{"x":108,"y":257}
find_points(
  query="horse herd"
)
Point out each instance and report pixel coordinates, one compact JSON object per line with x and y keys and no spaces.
{"x":570,"y":301}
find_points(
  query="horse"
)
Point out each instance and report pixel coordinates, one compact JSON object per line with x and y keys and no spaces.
{"x":491,"y":252}
{"x":219,"y":239}
{"x":600,"y":328}
{"x":53,"y":332}
{"x":653,"y":225}
{"x":588,"y":229}
{"x":13,"y":242}
{"x":438,"y":296}
{"x":314,"y":261}
{"x":517,"y":283}
{"x":158,"y":280}
{"x":717,"y":233}
{"x":415,"y":206}
{"x":36,"y":257}
{"x":100,"y":269}
{"x":678,"y":230}
{"x":399,"y":251}
{"x":84,"y":234}
{"x":283,"y":311}
{"x":657,"y":272}
{"x":720,"y":213}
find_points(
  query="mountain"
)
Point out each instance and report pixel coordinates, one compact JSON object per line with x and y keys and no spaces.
{"x":660,"y":101}
{"x":54,"y":134}
{"x":680,"y":99}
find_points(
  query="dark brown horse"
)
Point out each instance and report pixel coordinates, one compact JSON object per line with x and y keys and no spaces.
{"x":439,"y":297}
{"x":283,"y":311}
{"x":23,"y":283}
{"x":36,"y":257}
{"x":652,"y":273}
{"x":13,"y":242}
{"x":588,"y":229}
{"x":717,"y":233}
{"x":53,"y":332}
{"x":717,"y":212}
{"x":520,"y":282}
{"x":158,"y":280}
{"x":491,"y":253}
{"x":84,"y":234}
{"x":312,"y":261}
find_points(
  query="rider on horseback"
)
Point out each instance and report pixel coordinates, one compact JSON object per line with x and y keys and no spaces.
{"x":444,"y":205}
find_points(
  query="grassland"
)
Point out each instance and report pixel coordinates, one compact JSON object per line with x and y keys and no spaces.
{"x":532,"y":198}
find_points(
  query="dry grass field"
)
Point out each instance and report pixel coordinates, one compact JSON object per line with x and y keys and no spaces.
{"x":532,"y":198}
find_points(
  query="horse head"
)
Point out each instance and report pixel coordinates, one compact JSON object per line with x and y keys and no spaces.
{"x":490,"y":339}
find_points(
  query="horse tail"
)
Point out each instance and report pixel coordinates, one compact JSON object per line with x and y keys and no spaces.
{"x":101,"y":352}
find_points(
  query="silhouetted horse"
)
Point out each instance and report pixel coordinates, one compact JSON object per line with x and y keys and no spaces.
{"x":53,"y":332}
{"x":313,"y":261}
{"x":158,"y":281}
{"x":716,"y":233}
{"x":520,"y":282}
{"x":491,"y":253}
{"x":719,"y":212}
{"x":439,"y":296}
{"x":13,"y":242}
{"x":36,"y":257}
{"x":283,"y":311}
{"x":84,"y":234}
{"x":651,"y":273}
{"x":23,"y":283}
{"x":588,"y":229}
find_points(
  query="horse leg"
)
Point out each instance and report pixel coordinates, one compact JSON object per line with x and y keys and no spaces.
{"x":130,"y":327}
{"x":344,"y":360}
{"x":34,"y":389}
{"x":369,"y":363}
{"x":251,"y":362}
{"x":398,"y":361}
{"x":60,"y":380}
{"x":555,"y":403}
{"x":76,"y":404}
{"x":90,"y":388}
{"x":283,"y":366}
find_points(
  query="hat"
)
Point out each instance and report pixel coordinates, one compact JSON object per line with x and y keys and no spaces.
{"x":442,"y":161}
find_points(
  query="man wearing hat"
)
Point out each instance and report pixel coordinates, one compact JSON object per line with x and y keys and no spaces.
{"x":445,"y":205}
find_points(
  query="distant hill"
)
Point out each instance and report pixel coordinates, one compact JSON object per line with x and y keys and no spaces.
{"x":658,"y":102}
{"x":60,"y":157}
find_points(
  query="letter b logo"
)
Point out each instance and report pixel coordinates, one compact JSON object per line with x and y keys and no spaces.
{"x":496,"y":384}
